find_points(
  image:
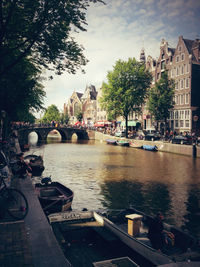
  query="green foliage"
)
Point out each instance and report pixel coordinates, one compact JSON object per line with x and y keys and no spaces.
{"x":126,"y":88}
{"x":161,"y":98}
{"x":51,"y":114}
{"x":21,"y":92}
{"x":41,"y":30}
{"x":64,"y":118}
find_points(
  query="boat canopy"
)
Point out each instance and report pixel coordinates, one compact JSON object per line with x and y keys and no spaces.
{"x":130,"y":123}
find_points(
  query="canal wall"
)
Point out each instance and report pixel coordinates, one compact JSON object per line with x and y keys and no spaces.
{"x":162,"y":145}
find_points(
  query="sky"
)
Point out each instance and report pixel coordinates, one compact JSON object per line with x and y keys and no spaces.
{"x":119,"y":30}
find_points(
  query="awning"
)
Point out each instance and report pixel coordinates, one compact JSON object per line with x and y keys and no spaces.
{"x":130,"y":123}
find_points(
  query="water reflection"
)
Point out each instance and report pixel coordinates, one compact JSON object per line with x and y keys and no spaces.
{"x":113,"y":177}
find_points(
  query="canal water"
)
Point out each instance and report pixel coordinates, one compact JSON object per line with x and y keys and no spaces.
{"x":112,"y":177}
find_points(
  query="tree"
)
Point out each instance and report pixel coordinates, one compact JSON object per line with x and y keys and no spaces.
{"x":160,"y":99}
{"x":21,"y":91}
{"x":126,"y":88}
{"x":40,"y":30}
{"x":64,"y":118}
{"x":51,"y":114}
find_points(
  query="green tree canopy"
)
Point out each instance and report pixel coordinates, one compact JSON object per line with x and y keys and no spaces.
{"x":160,"y":99}
{"x":41,"y":30}
{"x":126,"y":88}
{"x":64,"y":118}
{"x":21,"y":92}
{"x":51,"y":114}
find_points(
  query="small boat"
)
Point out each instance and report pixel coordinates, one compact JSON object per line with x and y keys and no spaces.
{"x":122,"y":143}
{"x":90,"y":239}
{"x":150,"y":148}
{"x":53,"y":196}
{"x":184,"y":248}
{"x":36,"y":164}
{"x":135,"y":145}
{"x":111,"y":141}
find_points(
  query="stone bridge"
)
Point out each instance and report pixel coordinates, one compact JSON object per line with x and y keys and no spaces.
{"x":42,"y":132}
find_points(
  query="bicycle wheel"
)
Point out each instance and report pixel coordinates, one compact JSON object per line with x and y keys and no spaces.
{"x":17,"y":204}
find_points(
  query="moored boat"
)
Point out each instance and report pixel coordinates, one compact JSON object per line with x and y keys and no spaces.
{"x":122,"y":143}
{"x":36,"y":163}
{"x":90,"y":239}
{"x":183,"y":248}
{"x":53,"y":196}
{"x":150,"y":147}
{"x":135,"y":145}
{"x":111,"y":141}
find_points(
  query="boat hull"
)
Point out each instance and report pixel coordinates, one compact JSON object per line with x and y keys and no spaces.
{"x":54,"y":197}
{"x":116,"y":240}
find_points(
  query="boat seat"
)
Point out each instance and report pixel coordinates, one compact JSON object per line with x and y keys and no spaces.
{"x":51,"y":192}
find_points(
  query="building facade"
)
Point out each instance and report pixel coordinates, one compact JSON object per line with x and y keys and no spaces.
{"x":82,"y":102}
{"x":183,"y":65}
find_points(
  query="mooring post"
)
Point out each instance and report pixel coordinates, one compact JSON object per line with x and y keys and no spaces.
{"x":194,"y":150}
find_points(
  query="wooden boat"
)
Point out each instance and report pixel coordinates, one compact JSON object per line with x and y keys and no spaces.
{"x":122,"y":143}
{"x":53,"y":196}
{"x":94,"y":236}
{"x":111,"y":141}
{"x":185,"y":248}
{"x":88,"y":239}
{"x":36,"y":164}
{"x":135,"y":145}
{"x":150,"y":147}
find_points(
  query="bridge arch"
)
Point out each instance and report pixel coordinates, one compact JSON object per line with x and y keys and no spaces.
{"x":42,"y":133}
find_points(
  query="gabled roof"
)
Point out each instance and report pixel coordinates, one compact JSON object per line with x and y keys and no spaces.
{"x":190,"y":45}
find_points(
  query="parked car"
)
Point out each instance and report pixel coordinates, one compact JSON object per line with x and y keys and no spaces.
{"x":180,"y":139}
{"x":120,"y":134}
{"x":152,"y":135}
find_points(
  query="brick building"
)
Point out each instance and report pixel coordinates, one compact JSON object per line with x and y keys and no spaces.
{"x":183,"y":65}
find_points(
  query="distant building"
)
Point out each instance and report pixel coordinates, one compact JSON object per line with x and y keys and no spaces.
{"x":101,"y":113}
{"x":183,"y":65}
{"x":82,"y":102}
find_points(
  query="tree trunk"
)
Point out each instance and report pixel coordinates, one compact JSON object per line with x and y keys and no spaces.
{"x":126,"y":118}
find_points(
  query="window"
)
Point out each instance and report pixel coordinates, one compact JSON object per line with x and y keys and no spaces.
{"x":187,"y":83}
{"x":182,"y":56}
{"x":182,"y":84}
{"x":177,"y":58}
{"x":177,"y":71}
{"x":187,"y":68}
{"x":181,"y":123}
{"x":187,"y":114}
{"x":162,"y":65}
{"x":176,"y":123}
{"x":179,"y":48}
{"x":187,"y":99}
{"x":176,"y":114}
{"x":182,"y":69}
{"x":182,"y":99}
{"x":187,"y":124}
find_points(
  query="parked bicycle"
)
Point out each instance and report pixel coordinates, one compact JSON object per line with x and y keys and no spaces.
{"x":12,"y":200}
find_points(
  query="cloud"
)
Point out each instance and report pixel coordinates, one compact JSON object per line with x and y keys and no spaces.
{"x":119,"y":30}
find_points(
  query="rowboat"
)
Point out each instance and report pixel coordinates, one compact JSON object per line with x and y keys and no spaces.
{"x":111,"y":141}
{"x":150,"y":147}
{"x":122,"y":143}
{"x":36,"y":164}
{"x":185,"y":247}
{"x":135,"y":145}
{"x":53,"y":196}
{"x":89,"y":238}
